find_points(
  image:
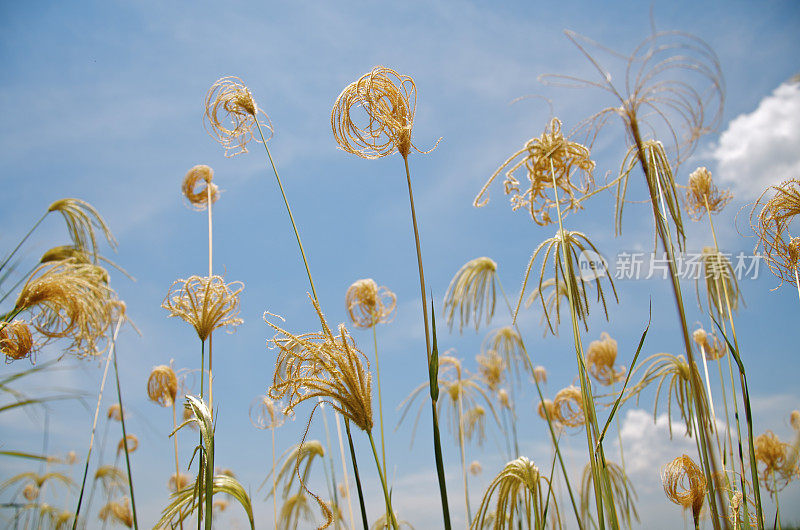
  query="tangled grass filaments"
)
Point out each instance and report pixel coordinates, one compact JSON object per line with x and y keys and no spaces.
{"x":16,"y":341}
{"x":118,"y":512}
{"x":702,"y":195}
{"x":131,"y":441}
{"x":231,"y":113}
{"x":547,"y":157}
{"x":775,"y":455}
{"x":205,"y":302}
{"x":162,"y":385}
{"x":771,"y":225}
{"x":568,"y":407}
{"x":389,"y":100}
{"x":685,"y":484}
{"x":600,"y":359}
{"x":82,"y":219}
{"x":369,"y":305}
{"x":557,"y":292}
{"x":472,"y":291}
{"x":198,"y":198}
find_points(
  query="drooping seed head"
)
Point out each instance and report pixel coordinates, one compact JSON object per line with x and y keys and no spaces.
{"x":492,"y":369}
{"x":206,"y":303}
{"x":117,"y":511}
{"x":16,"y":341}
{"x":198,"y":198}
{"x":82,"y":219}
{"x":369,"y":305}
{"x":540,"y":374}
{"x":600,"y":359}
{"x":471,"y":293}
{"x":114,"y":412}
{"x":685,"y":484}
{"x":475,"y":468}
{"x":772,"y":226}
{"x":162,"y":385}
{"x":568,"y":407}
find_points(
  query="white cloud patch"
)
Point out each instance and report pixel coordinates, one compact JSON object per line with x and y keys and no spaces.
{"x":759,"y":149}
{"x":648,"y":445}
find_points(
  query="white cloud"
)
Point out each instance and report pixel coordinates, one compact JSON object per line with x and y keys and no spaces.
{"x":759,"y":149}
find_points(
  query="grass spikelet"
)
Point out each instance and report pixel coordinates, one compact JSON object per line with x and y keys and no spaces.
{"x":16,"y":341}
{"x":231,"y":113}
{"x":568,"y":407}
{"x":112,"y":478}
{"x":369,"y":305}
{"x":82,"y":220}
{"x":702,"y":195}
{"x":568,"y":158}
{"x":198,"y":198}
{"x":472,"y":293}
{"x":685,"y":485}
{"x":600,"y":359}
{"x":775,"y":455}
{"x":162,"y":385}
{"x":507,"y":344}
{"x":206,"y":303}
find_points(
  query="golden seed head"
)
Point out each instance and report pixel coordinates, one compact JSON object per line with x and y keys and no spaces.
{"x":542,"y":159}
{"x":178,"y":481}
{"x":231,"y":114}
{"x":206,"y":303}
{"x":568,"y":407}
{"x":794,"y":420}
{"x":772,"y":224}
{"x":30,"y":492}
{"x":132,"y":442}
{"x":321,"y":365}
{"x":700,"y":337}
{"x":198,"y":198}
{"x":82,"y":219}
{"x":684,"y":483}
{"x":472,"y":293}
{"x":702,"y":192}
{"x":600,"y":359}
{"x":266,"y":413}
{"x":475,"y":468}
{"x":369,"y":305}
{"x":16,"y":341}
{"x":114,"y":412}
{"x":518,"y":484}
{"x":540,"y":374}
{"x":547,"y":408}
{"x":162,"y":385}
{"x":389,"y":101}
{"x":117,"y":511}
{"x":492,"y":369}
{"x":770,"y":451}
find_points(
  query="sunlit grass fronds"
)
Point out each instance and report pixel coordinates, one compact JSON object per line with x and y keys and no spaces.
{"x":624,"y":493}
{"x":206,"y":303}
{"x":82,"y":220}
{"x":231,"y":113}
{"x":78,"y":255}
{"x":16,"y":341}
{"x":556,"y":292}
{"x":774,"y":455}
{"x":369,"y":305}
{"x":685,"y":484}
{"x":519,"y":497}
{"x":162,"y":385}
{"x":294,"y":509}
{"x":118,"y":512}
{"x":37,"y":479}
{"x":567,"y":157}
{"x":772,"y":224}
{"x":491,"y":368}
{"x":198,"y":198}
{"x":722,"y":287}
{"x":568,"y":407}
{"x":572,"y":244}
{"x":674,"y":370}
{"x":112,"y":479}
{"x":472,"y":293}
{"x":131,"y":441}
{"x":297,"y":464}
{"x":600,"y":359}
{"x":321,"y":365}
{"x":702,"y":195}
{"x":507,"y":343}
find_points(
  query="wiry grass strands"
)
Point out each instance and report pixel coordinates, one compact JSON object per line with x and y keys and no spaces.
{"x":472,"y":292}
{"x":555,"y":293}
{"x":624,"y":493}
{"x":685,"y":484}
{"x":774,"y":454}
{"x":702,"y":195}
{"x":568,"y":407}
{"x":162,"y":385}
{"x":231,"y":113}
{"x":567,"y":158}
{"x":600,"y":359}
{"x":16,"y":341}
{"x":369,"y":305}
{"x":198,"y":198}
{"x":205,"y":302}
{"x":82,"y":219}
{"x":771,"y":225}
{"x":266,"y":413}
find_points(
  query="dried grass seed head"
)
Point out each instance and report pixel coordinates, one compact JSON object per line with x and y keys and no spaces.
{"x":178,"y":481}
{"x":772,"y":226}
{"x":779,"y":459}
{"x":114,"y":412}
{"x":231,"y":113}
{"x":369,"y":305}
{"x":16,"y":341}
{"x":472,"y":293}
{"x":551,"y":155}
{"x":266,"y":413}
{"x":540,"y":374}
{"x":517,"y":485}
{"x":600,"y":359}
{"x":118,"y":512}
{"x":162,"y":385}
{"x":198,"y":198}
{"x":685,"y":484}
{"x":83,"y":220}
{"x":794,"y":420}
{"x":492,"y":369}
{"x":568,"y":407}
{"x":388,"y":100}
{"x":206,"y":303}
{"x":703,"y":195}
{"x":674,"y":372}
{"x":475,"y":468}
{"x":722,"y":287}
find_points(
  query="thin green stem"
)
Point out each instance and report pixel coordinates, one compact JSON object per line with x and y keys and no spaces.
{"x":357,"y":476}
{"x":124,"y":432}
{"x":383,"y":481}
{"x":22,"y":241}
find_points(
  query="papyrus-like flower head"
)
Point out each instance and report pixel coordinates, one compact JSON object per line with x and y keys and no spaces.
{"x":16,"y":341}
{"x":198,"y":198}
{"x":472,"y":292}
{"x":685,"y":484}
{"x":388,"y":101}
{"x":600,"y":359}
{"x":368,"y":305}
{"x":205,"y":302}
{"x":231,"y":113}
{"x":551,"y":154}
{"x":162,"y":385}
{"x":703,"y":195}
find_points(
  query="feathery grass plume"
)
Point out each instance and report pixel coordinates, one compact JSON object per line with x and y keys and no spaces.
{"x":131,"y":440}
{"x":205,"y":302}
{"x":114,"y":412}
{"x":198,"y":198}
{"x":16,"y":341}
{"x":775,"y":455}
{"x":297,"y":462}
{"x":572,"y":244}
{"x":369,"y":305}
{"x":117,"y":512}
{"x":162,"y":385}
{"x":294,"y":510}
{"x":518,"y":484}
{"x":112,"y":478}
{"x":475,"y":468}
{"x":472,"y":292}
{"x":567,"y":158}
{"x":540,"y":374}
{"x":231,"y":113}
{"x":557,"y":291}
{"x":722,"y":287}
{"x":82,"y":220}
{"x":674,"y":370}
{"x":504,"y":399}
{"x":506,"y":343}
{"x":702,"y":195}
{"x":266,"y":413}
{"x":568,"y":407}
{"x":492,"y":369}
{"x":475,"y":424}
{"x":68,"y":298}
{"x":389,"y":100}
{"x":548,"y":408}
{"x":322,"y":365}
{"x":178,"y":481}
{"x":685,"y":484}
{"x":771,"y":224}
{"x":600,"y":359}
{"x":624,"y":493}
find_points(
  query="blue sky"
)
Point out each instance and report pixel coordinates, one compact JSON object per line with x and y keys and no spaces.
{"x":103,"y":101}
